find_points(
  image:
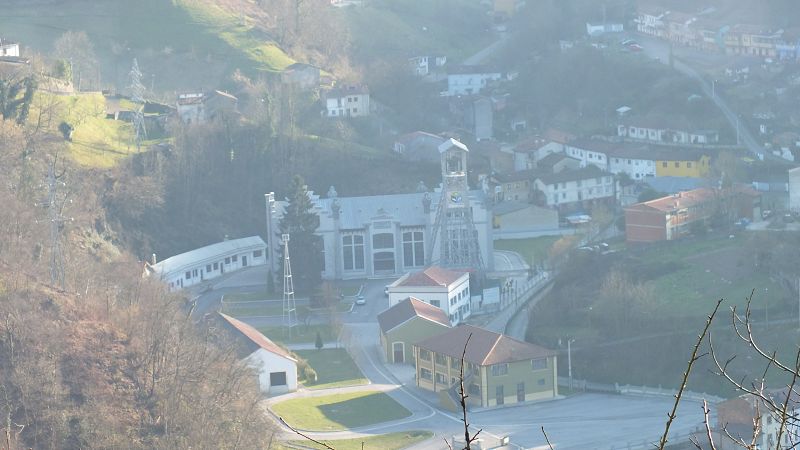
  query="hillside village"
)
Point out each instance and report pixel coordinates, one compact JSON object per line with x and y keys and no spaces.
{"x":528,"y":220}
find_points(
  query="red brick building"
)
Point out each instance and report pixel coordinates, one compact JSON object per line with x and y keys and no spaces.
{"x":671,"y":217}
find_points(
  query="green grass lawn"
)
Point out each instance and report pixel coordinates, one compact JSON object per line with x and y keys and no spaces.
{"x":300,"y":334}
{"x":253,"y":296}
{"x":253,"y":309}
{"x":534,"y":250}
{"x":334,"y":367}
{"x":391,"y":441}
{"x":340,"y":411}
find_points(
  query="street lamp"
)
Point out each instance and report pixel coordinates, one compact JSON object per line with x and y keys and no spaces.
{"x":569,"y":361}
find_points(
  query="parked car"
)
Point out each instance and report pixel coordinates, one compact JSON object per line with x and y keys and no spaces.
{"x":788,"y":218}
{"x":635,"y":48}
{"x":361,"y":300}
{"x":766,"y":214}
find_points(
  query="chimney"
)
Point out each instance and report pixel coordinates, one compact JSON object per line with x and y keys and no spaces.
{"x":153,"y":259}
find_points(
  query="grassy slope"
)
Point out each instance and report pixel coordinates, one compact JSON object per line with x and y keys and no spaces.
{"x":340,"y":411}
{"x":185,"y":44}
{"x":399,"y":28}
{"x":534,"y":250}
{"x":96,"y":141}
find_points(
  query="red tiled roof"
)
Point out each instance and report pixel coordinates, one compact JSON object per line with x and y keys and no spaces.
{"x":409,"y":308}
{"x":485,"y":347}
{"x":680,"y":200}
{"x":256,"y":337}
{"x":432,"y":276}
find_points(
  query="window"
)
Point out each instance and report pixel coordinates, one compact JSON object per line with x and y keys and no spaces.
{"x":383,"y":240}
{"x":441,"y":359}
{"x":383,"y":261}
{"x":436,"y":303}
{"x":474,"y":389}
{"x":616,"y":160}
{"x":208,"y":268}
{"x":216,"y":266}
{"x":539,"y":363}
{"x":425,"y":374}
{"x":234,"y":258}
{"x":664,"y":164}
{"x":541,"y":382}
{"x":424,"y":355}
{"x":227,"y":260}
{"x":455,"y":363}
{"x":688,"y":165}
{"x":563,"y":196}
{"x":188,"y":275}
{"x":499,"y":369}
{"x":629,"y":161}
{"x":353,"y":252}
{"x":413,"y":249}
{"x":441,"y":378}
{"x":257,"y":254}
{"x":194,"y":272}
{"x":355,"y":110}
{"x":677,"y":164}
{"x":277,"y":379}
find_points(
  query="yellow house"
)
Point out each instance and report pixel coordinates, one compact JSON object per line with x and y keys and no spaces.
{"x":682,"y":164}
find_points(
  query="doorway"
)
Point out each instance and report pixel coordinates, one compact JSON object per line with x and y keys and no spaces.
{"x":399,"y":353}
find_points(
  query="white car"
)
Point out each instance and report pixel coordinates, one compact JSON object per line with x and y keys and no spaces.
{"x":386,"y":290}
{"x":361,"y":300}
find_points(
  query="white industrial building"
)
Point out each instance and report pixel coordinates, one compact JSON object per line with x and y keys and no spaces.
{"x":443,"y":288}
{"x":794,"y":189}
{"x":276,"y":368}
{"x":211,"y":261}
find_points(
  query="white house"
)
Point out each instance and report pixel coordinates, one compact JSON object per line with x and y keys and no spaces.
{"x":348,"y":101}
{"x":583,"y":185}
{"x":9,"y":49}
{"x":637,"y":161}
{"x":660,"y":130}
{"x":468,"y":80}
{"x":443,"y":288}
{"x":276,"y":367}
{"x":599,"y":29}
{"x":423,"y":65}
{"x":589,"y":152}
{"x":650,"y":20}
{"x":205,"y":263}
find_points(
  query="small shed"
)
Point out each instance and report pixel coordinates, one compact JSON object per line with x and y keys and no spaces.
{"x":276,"y":367}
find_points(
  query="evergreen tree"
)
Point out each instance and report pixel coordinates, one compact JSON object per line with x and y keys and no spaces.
{"x":305,"y":248}
{"x":318,"y":342}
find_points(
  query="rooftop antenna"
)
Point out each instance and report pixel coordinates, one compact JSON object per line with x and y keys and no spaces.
{"x":289,"y":307}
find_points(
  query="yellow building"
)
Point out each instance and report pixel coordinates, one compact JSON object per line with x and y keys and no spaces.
{"x":683,"y":164}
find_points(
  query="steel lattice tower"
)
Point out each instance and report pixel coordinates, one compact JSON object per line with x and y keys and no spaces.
{"x":137,"y":96}
{"x":454,"y":226}
{"x":289,"y":307}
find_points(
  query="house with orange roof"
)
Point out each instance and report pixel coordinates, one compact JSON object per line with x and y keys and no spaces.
{"x":443,"y":288}
{"x":275,"y":366}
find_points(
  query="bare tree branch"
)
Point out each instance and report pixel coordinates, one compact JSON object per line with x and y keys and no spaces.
{"x":695,"y":356}
{"x":547,"y":439}
{"x":307,"y":437}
